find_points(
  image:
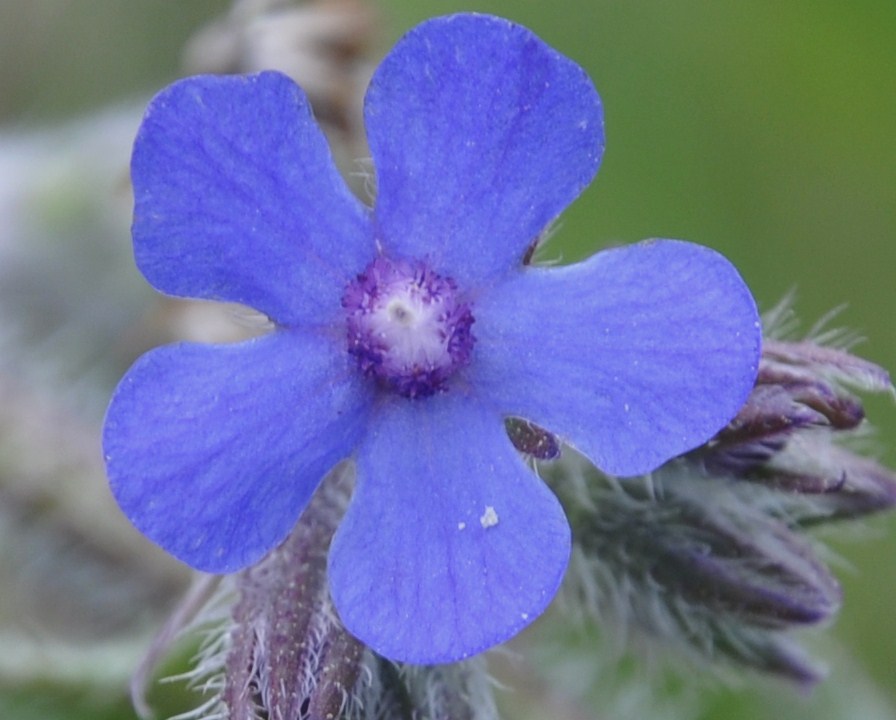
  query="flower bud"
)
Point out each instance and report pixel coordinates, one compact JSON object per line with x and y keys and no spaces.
{"x":289,"y":655}
{"x":786,"y":435}
{"x":690,"y":561}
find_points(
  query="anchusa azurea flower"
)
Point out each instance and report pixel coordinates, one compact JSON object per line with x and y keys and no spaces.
{"x":406,"y":334}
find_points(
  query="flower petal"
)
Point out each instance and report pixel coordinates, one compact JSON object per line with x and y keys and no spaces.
{"x":237,"y":199}
{"x":213,"y":451}
{"x":481,"y":135}
{"x":633,"y":356}
{"x":451,"y":544}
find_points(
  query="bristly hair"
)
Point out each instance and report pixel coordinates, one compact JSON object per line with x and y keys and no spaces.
{"x":273,"y":648}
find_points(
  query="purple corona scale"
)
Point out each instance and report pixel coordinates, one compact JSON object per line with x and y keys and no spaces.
{"x":407,"y":333}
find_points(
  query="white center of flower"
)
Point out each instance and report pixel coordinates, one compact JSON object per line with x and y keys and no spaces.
{"x":407,"y":326}
{"x":410,"y":330}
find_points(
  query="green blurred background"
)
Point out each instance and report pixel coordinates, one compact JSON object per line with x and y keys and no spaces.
{"x":765,"y":129}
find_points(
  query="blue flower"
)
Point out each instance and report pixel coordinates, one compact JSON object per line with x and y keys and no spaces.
{"x":405,"y":334}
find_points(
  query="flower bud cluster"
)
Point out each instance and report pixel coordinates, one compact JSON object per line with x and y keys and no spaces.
{"x":708,"y":554}
{"x":788,"y":435}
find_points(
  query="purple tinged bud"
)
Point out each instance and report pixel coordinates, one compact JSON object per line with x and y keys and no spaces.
{"x":785,"y":435}
{"x":761,"y":573}
{"x":867,"y":487}
{"x":290,"y":656}
{"x":769,"y":411}
{"x":770,"y":653}
{"x":832,"y":363}
{"x":839,"y":409}
{"x":787,"y":399}
{"x":799,"y":391}
{"x":833,"y":482}
{"x":691,"y":561}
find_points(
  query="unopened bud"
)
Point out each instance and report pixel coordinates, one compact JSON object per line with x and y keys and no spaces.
{"x":836,"y":365}
{"x":757,"y":571}
{"x":800,"y":398}
{"x":687,"y":560}
{"x":289,"y":653}
{"x":770,"y":653}
{"x":829,"y":482}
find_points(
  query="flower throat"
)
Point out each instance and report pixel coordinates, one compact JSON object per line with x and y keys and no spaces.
{"x":407,"y":326}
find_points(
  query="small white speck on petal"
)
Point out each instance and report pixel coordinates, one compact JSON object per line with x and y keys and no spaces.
{"x":461,"y":525}
{"x":489,"y":517}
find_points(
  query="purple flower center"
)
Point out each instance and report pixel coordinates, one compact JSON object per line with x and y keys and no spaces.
{"x":407,"y":326}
